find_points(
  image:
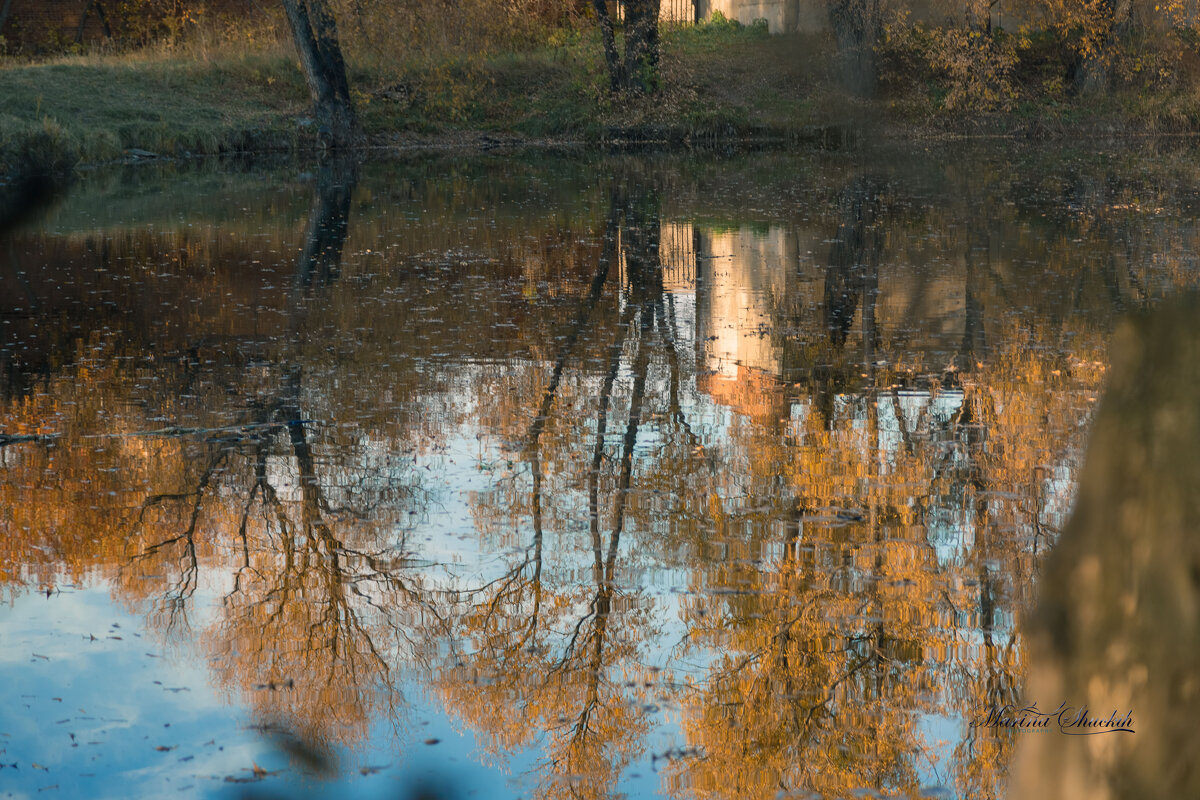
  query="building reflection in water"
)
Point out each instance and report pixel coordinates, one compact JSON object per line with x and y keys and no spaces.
{"x":771,"y":493}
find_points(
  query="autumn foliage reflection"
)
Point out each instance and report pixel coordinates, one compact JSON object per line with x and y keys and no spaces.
{"x":553,"y":660}
{"x":782,"y":487}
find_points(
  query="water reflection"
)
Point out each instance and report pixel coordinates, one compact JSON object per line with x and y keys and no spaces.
{"x":556,"y":660}
{"x":622,"y":472}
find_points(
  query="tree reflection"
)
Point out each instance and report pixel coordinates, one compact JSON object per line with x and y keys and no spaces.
{"x":891,"y":593}
{"x":846,"y":440}
{"x":853,"y":273}
{"x":549,"y":661}
{"x":321,"y":596}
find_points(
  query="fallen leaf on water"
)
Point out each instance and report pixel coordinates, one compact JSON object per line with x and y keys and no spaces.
{"x":373,"y":770}
{"x":258,"y":773}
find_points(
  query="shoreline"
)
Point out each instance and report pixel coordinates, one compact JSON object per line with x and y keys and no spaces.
{"x":730,"y":90}
{"x":677,"y":140}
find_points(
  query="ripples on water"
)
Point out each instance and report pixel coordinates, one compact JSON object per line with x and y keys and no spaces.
{"x":550,"y":476}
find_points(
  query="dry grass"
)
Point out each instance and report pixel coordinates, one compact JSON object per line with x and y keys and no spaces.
{"x":239,"y":88}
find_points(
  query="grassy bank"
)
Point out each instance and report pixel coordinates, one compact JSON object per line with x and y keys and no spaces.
{"x":83,"y":109}
{"x":720,"y":82}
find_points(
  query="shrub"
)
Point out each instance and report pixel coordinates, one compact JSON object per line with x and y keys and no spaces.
{"x":976,"y":69}
{"x":970,"y":70}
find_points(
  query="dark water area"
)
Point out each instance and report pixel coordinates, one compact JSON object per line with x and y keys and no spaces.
{"x":552,"y":476}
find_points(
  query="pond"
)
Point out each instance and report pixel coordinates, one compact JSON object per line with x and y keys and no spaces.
{"x":551,"y":474}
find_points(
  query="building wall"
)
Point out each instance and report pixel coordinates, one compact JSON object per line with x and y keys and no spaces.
{"x":812,"y":16}
{"x":782,"y":16}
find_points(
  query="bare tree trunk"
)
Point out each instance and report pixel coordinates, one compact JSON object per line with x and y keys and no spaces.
{"x":1115,"y":636}
{"x":1092,"y":72}
{"x":83,"y":18}
{"x":641,"y":44}
{"x":853,"y":258}
{"x":615,"y":77}
{"x":639,"y":69}
{"x":856,"y":27}
{"x":320,"y":262}
{"x":4,"y":11}
{"x":315,"y":34}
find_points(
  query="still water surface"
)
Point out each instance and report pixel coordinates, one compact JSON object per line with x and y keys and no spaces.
{"x":553,"y":476}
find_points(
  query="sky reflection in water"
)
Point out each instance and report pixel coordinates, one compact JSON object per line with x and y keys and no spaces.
{"x":554,"y":477}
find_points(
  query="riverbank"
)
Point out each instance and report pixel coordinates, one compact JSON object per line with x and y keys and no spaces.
{"x":721,"y":83}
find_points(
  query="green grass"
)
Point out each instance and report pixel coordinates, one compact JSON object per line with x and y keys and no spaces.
{"x":93,"y":110}
{"x":719,"y":81}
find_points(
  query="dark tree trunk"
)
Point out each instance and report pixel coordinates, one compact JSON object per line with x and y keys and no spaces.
{"x":1091,"y":72}
{"x":641,"y":44}
{"x":856,"y":27}
{"x":853,"y":261}
{"x":315,"y":34}
{"x":4,"y":10}
{"x":83,"y":18}
{"x":616,"y":77}
{"x":979,"y":264}
{"x":638,"y":71}
{"x":320,"y":261}
{"x":1116,"y":626}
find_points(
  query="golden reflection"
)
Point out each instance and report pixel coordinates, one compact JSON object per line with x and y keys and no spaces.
{"x":557,"y":661}
{"x":847,"y":439}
